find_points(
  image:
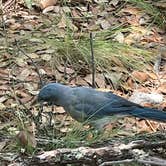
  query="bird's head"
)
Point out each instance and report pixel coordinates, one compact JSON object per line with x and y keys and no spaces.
{"x":51,"y":93}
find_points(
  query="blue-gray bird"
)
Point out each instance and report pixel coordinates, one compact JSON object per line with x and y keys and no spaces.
{"x":89,"y":105}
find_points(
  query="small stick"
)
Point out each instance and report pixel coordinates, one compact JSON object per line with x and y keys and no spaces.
{"x":92,"y":61}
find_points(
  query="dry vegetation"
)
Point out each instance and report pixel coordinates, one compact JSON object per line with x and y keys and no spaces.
{"x":51,"y":38}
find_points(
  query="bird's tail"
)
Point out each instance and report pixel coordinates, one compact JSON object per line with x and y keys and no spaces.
{"x":149,"y":113}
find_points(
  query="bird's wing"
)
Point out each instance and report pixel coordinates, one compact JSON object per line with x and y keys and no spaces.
{"x":88,"y":103}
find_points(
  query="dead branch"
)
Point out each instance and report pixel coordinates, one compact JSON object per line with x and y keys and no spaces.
{"x":112,"y":154}
{"x":149,"y":160}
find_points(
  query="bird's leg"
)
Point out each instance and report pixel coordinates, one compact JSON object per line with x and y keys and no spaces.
{"x":51,"y":116}
{"x":100,"y":124}
{"x":39,"y":115}
{"x":62,"y":122}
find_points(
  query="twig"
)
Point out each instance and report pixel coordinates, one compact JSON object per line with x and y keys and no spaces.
{"x":150,"y":125}
{"x":65,"y":72}
{"x":150,"y":160}
{"x":4,"y":26}
{"x":92,"y":61}
{"x":118,"y":153}
{"x":117,"y":162}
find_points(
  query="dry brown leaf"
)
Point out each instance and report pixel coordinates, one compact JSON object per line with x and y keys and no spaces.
{"x":4,"y":71}
{"x":4,"y":87}
{"x":130,"y":83}
{"x":21,"y":93}
{"x":2,"y":106}
{"x":24,"y":74}
{"x":152,"y":76}
{"x":62,"y":23}
{"x":26,"y":99}
{"x":132,"y":10}
{"x":48,"y":9}
{"x":88,"y":79}
{"x":60,"y":110}
{"x":109,"y":127}
{"x":3,"y":98}
{"x":26,"y":138}
{"x":119,"y":37}
{"x":89,"y":136}
{"x":103,"y":89}
{"x":65,"y":129}
{"x":100,"y":80}
{"x":2,"y":145}
{"x":15,"y":26}
{"x":114,"y":2}
{"x":28,"y":26}
{"x":79,"y":81}
{"x":162,"y":88}
{"x":46,"y":57}
{"x":105,"y":24}
{"x":143,"y":127}
{"x":20,"y":61}
{"x":163,"y":106}
{"x":75,"y":13}
{"x":114,"y":78}
{"x":117,"y":61}
{"x":140,"y":76}
{"x":68,"y":70}
{"x":33,"y":55}
{"x":46,"y":3}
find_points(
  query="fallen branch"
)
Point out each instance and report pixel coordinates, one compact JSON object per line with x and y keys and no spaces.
{"x":117,"y":153}
{"x":149,"y":160}
{"x":110,"y":152}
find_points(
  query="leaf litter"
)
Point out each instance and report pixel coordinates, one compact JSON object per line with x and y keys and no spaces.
{"x":35,"y":32}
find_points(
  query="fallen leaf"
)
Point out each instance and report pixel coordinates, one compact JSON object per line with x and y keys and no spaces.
{"x":130,"y":83}
{"x":26,"y":138}
{"x":160,"y":4}
{"x":62,"y":23}
{"x":33,"y":55}
{"x":28,"y":26}
{"x":46,"y":3}
{"x":113,"y":78}
{"x":24,"y":74}
{"x":3,"y":98}
{"x":15,"y":26}
{"x":88,"y":79}
{"x":114,"y":2}
{"x":60,"y":110}
{"x":140,"y":76}
{"x":79,"y":81}
{"x":152,"y":76}
{"x":48,"y":9}
{"x":119,"y":37}
{"x":2,"y":145}
{"x":20,"y":61}
{"x":65,"y":129}
{"x":143,"y":127}
{"x":2,"y":106}
{"x":63,"y":69}
{"x":162,"y":88}
{"x":104,"y":24}
{"x":46,"y":57}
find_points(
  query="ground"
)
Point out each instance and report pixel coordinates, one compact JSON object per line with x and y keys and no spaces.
{"x":49,"y":41}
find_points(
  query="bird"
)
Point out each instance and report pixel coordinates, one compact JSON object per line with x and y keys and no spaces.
{"x":88,"y":105}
